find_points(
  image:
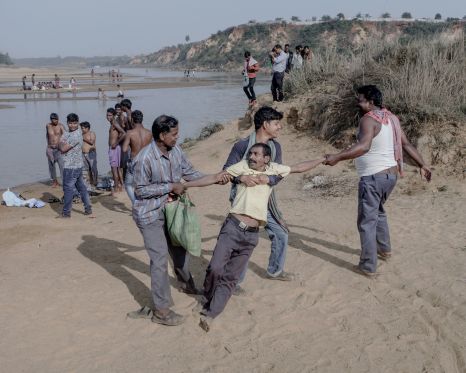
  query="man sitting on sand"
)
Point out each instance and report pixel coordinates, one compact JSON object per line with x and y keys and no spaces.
{"x":239,"y":234}
{"x":54,"y":132}
{"x":70,"y":145}
{"x":90,"y":172}
{"x":115,"y":136}
{"x":134,"y":141}
{"x":379,"y":160}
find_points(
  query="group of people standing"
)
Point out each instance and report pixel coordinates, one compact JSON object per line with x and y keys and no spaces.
{"x":159,"y":172}
{"x":282,"y":61}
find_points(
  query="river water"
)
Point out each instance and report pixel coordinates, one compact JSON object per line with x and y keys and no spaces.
{"x":23,"y":140}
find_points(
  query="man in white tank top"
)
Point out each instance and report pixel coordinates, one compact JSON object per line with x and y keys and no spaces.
{"x":378,"y":155}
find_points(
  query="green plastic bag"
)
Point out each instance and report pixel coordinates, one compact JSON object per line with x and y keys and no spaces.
{"x":183,"y":225}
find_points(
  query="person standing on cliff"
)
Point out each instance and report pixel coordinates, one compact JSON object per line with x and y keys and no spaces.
{"x":279,"y":60}
{"x":251,"y":67}
{"x":379,"y":161}
{"x":289,"y":59}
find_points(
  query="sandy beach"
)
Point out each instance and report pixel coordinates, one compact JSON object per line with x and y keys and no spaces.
{"x":67,"y":285}
{"x":85,"y":83}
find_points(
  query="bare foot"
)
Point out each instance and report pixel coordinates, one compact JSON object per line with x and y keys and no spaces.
{"x":54,"y":184}
{"x":206,"y":323}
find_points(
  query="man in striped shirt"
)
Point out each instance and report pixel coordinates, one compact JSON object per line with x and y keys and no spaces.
{"x":158,"y":171}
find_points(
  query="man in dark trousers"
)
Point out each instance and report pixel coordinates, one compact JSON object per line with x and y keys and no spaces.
{"x":267,"y":128}
{"x":379,"y":161}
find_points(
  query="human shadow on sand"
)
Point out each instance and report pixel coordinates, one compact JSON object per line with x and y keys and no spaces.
{"x":112,"y":204}
{"x":53,"y":201}
{"x":296,"y":240}
{"x":113,"y":256}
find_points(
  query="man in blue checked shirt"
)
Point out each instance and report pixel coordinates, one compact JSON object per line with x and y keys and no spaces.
{"x":158,"y":171}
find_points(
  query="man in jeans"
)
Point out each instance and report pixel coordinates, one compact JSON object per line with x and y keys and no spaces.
{"x":379,"y":160}
{"x":71,"y":147}
{"x":279,"y":60}
{"x":251,"y":67}
{"x":267,"y":128}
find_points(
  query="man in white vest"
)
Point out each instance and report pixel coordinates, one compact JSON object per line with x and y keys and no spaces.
{"x":379,"y":161}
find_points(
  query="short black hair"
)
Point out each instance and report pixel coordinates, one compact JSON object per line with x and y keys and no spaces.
{"x":266,"y":114}
{"x":137,"y":116}
{"x":111,"y":110}
{"x":371,"y":93}
{"x":72,"y":117}
{"x":287,"y":45}
{"x":266,"y":150}
{"x":126,"y":103}
{"x":278,"y":46}
{"x":247,"y":54}
{"x":53,"y":116}
{"x":85,"y":125}
{"x":117,"y":106}
{"x":163,"y":124}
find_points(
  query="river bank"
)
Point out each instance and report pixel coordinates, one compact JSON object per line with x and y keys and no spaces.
{"x":67,"y":285}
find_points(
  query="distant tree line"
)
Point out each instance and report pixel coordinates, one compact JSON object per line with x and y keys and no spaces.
{"x":5,"y":59}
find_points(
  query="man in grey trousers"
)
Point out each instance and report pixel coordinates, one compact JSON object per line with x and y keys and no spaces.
{"x":158,"y":171}
{"x":379,"y":161}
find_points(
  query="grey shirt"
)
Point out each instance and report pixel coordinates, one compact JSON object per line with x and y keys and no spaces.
{"x":73,"y":158}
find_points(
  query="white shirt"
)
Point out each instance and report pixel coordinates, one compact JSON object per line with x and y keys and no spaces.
{"x":380,"y":156}
{"x":279,"y":63}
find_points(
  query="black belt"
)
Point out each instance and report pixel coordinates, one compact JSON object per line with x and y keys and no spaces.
{"x":242,"y":225}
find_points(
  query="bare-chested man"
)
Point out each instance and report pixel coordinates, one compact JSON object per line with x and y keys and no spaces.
{"x":116,"y":134}
{"x":90,"y":174}
{"x":54,"y":131}
{"x":127,"y":124}
{"x":135,"y":140}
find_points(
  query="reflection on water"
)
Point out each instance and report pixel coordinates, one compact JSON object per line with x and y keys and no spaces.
{"x":23,"y":128}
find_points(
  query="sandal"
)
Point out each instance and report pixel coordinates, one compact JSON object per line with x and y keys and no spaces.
{"x":143,"y":313}
{"x":384,"y":255}
{"x":364,"y":272}
{"x":170,"y":319}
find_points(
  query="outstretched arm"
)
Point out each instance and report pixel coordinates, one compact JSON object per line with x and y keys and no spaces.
{"x":221,"y":177}
{"x":366,"y":134}
{"x":306,"y":166}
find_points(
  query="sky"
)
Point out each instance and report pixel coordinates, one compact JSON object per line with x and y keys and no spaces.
{"x":49,"y":28}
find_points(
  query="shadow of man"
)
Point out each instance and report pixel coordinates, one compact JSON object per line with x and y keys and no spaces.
{"x":53,"y":201}
{"x":296,"y":240}
{"x":111,"y":203}
{"x":113,"y":257}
